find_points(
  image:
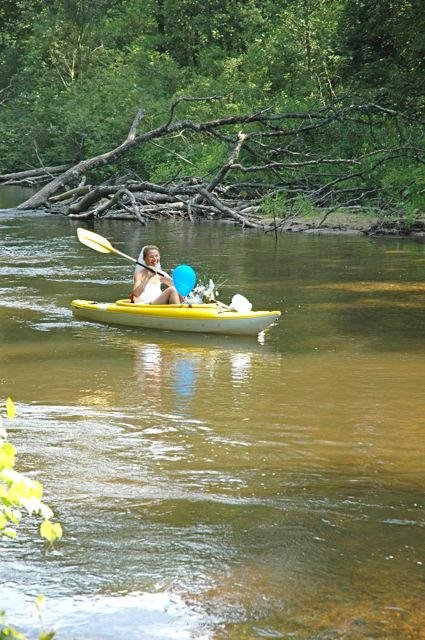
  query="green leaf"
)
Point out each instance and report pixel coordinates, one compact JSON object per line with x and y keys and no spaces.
{"x":10,"y":409}
{"x":46,"y":529}
{"x":7,"y":455}
{"x":32,"y":505}
{"x":39,"y":601}
{"x":14,"y":515}
{"x":9,"y":633}
{"x":45,"y":511}
{"x":50,"y":531}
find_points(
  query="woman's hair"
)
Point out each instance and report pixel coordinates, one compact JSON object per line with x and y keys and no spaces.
{"x":148,"y":247}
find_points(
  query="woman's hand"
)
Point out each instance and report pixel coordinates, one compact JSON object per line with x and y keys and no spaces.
{"x":141,"y":279}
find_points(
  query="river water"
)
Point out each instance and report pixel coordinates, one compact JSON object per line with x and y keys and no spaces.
{"x":215,"y":487}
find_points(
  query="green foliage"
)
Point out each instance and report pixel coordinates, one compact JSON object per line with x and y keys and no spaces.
{"x":18,"y":493}
{"x":382,"y":47}
{"x":302,"y":206}
{"x":274,"y":205}
{"x":10,"y":633}
{"x":200,"y":157}
{"x":73,"y":74}
{"x":199,"y":27}
{"x":409,"y":180}
{"x":280,"y":205}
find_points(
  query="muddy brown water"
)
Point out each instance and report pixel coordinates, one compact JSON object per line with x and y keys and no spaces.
{"x":216,"y":487}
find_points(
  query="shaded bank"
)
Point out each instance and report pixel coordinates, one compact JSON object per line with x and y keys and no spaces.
{"x":267,"y":170}
{"x":337,"y":222}
{"x":356,"y":223}
{"x":12,"y":195}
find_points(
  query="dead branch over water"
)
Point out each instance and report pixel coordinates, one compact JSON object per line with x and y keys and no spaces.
{"x":276,"y":149}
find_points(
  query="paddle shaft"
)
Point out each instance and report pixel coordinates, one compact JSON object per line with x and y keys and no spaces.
{"x":98,"y":243}
{"x":142,"y":264}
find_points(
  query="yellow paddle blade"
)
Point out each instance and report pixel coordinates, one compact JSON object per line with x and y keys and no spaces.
{"x":99,"y":243}
{"x":94,"y":241}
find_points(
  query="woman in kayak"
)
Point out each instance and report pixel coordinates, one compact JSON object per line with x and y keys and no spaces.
{"x":147,"y":284}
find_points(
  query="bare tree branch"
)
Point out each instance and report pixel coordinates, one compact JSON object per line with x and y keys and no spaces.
{"x":278,"y":149}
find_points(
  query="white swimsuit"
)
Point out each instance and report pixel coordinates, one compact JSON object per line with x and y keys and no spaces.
{"x":150,"y":292}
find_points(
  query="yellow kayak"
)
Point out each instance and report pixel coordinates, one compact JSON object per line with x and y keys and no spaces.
{"x":198,"y":318}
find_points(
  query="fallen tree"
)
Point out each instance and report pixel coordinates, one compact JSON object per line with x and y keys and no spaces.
{"x":283,"y":152}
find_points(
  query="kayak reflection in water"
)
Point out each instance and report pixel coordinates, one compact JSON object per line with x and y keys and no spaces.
{"x":147,"y":284}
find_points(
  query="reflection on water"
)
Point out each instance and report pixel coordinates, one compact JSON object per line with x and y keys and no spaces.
{"x":148,"y":369}
{"x":184,"y":377}
{"x":241,"y":365}
{"x":13,"y":195}
{"x":219,"y":487}
{"x":163,"y":366}
{"x":150,"y":616}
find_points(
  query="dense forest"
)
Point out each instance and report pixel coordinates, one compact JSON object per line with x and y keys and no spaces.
{"x":207,"y":103}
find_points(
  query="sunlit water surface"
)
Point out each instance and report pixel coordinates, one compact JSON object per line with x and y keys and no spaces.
{"x":216,"y":487}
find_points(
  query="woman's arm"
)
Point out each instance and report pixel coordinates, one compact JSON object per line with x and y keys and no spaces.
{"x":140,"y":280}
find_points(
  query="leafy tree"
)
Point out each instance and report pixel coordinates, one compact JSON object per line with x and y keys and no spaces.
{"x":72,"y":73}
{"x":192,"y":30}
{"x":16,"y":20}
{"x":382,"y":49}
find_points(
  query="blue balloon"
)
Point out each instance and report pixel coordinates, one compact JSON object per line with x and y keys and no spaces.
{"x":184,"y":279}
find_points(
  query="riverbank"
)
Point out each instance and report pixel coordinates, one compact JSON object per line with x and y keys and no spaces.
{"x":357,"y":223}
{"x":353,"y":222}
